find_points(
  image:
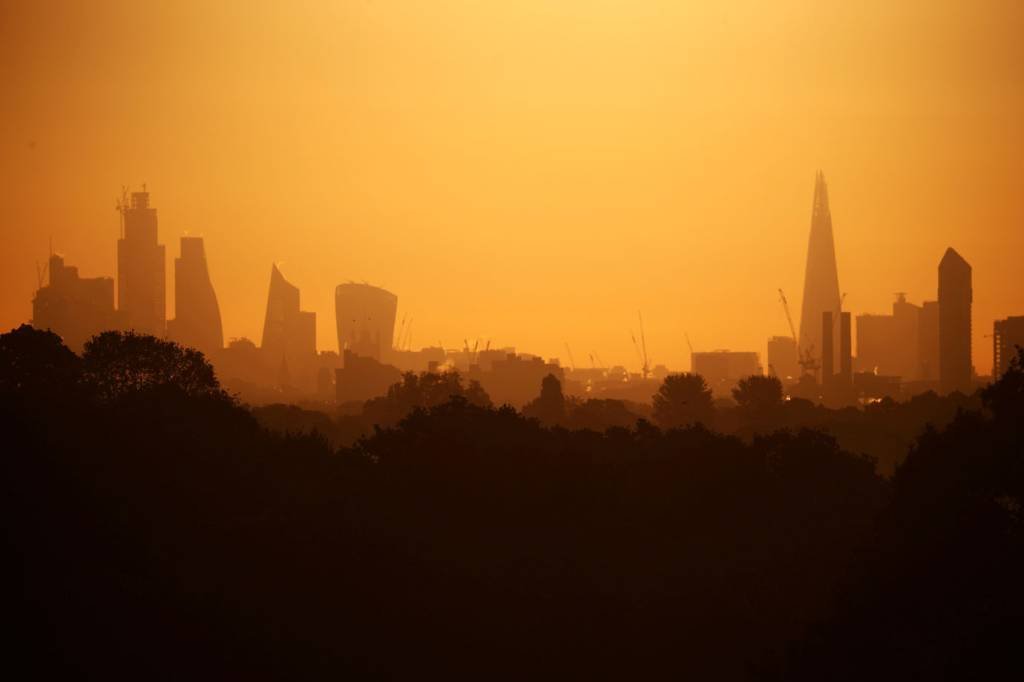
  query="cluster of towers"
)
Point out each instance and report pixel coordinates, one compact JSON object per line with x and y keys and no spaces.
{"x":77,"y":308}
{"x":921,"y":347}
{"x":927,"y":345}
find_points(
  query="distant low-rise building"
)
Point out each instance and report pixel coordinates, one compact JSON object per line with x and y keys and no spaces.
{"x":722,"y":369}
{"x":515,"y":380}
{"x":361,"y":378}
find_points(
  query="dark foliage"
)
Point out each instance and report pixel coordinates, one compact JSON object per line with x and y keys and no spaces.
{"x":682,"y":400}
{"x":424,"y":390}
{"x":550,"y":406}
{"x":939,"y":592}
{"x":165,"y":533}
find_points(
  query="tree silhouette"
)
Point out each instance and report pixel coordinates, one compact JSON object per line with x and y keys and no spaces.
{"x":35,"y":362}
{"x":549,"y":407}
{"x":758,"y":397}
{"x":117,"y":363}
{"x":1005,"y":397}
{"x":421,"y":391}
{"x":683,"y":400}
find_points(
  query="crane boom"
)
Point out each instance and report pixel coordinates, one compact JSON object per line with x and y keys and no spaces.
{"x":805,"y":356}
{"x":789,"y":319}
{"x":572,"y":362}
{"x":643,"y":341}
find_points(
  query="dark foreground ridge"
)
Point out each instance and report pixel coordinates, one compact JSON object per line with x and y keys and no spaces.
{"x":156,"y":529}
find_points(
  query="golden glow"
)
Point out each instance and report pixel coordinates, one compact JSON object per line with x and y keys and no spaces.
{"x":527,"y":171}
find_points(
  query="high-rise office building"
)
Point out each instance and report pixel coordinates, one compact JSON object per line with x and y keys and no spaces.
{"x":821,"y":279}
{"x":955,"y":296}
{"x":845,"y":350}
{"x":289,"y":334}
{"x":1007,"y":336}
{"x":141,"y":295}
{"x":828,"y":354}
{"x":928,"y":341}
{"x":75,"y":308}
{"x":890,"y":345}
{"x":197,"y":320}
{"x":875,"y":335}
{"x":365,"y":317}
{"x":782,"y":358}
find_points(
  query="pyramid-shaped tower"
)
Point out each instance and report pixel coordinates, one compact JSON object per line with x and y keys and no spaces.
{"x":821,"y":280}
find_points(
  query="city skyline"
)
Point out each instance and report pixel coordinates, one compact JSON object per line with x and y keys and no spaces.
{"x":820,"y":269}
{"x":511,"y":187}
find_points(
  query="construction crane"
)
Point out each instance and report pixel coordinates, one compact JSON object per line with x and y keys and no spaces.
{"x":405,"y":343}
{"x":121,"y":206}
{"x":643,"y":341}
{"x":636,"y":347}
{"x":572,"y":362}
{"x":805,"y":357}
{"x":41,"y":269}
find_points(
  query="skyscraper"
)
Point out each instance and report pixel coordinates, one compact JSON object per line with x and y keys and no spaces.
{"x":955,"y":297}
{"x":289,"y":334}
{"x":928,"y":341}
{"x":141,"y":296}
{"x":365,"y":316}
{"x":1007,"y":336}
{"x":782,"y":358}
{"x":821,"y":280}
{"x":197,"y":316}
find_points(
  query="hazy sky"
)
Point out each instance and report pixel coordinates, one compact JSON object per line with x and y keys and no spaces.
{"x":530,"y":172}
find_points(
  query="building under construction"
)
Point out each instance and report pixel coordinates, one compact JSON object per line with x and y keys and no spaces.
{"x":141,"y":267}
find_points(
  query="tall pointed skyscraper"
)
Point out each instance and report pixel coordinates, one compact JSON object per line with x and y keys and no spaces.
{"x":821,"y":281}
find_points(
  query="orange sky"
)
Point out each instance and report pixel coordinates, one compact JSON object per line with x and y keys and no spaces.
{"x":530,"y":172}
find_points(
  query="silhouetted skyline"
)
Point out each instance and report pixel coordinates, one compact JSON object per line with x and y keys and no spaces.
{"x":513,"y":160}
{"x":899,"y":355}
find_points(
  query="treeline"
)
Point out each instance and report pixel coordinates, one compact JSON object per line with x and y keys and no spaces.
{"x":158,"y":530}
{"x":884,"y":430}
